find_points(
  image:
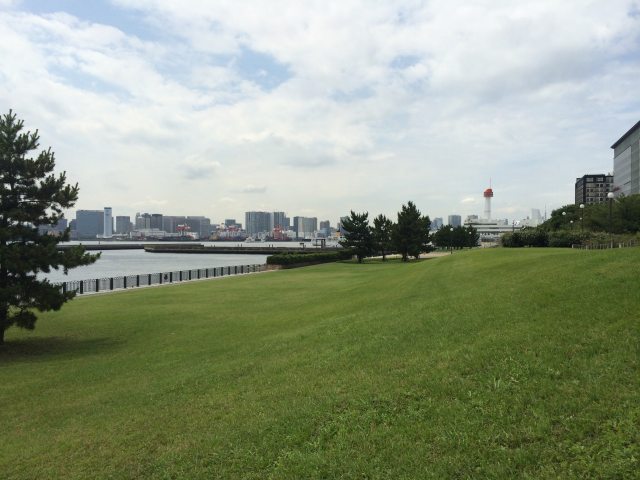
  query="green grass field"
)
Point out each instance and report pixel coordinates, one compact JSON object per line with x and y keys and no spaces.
{"x":499,"y":363}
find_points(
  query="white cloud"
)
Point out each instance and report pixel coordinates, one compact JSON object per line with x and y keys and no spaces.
{"x":254,"y":189}
{"x":198,"y":167}
{"x":373,"y":104}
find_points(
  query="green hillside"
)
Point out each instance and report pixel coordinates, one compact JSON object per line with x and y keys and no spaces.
{"x":485,"y":364}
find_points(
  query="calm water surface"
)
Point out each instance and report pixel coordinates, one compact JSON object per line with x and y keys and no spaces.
{"x":115,"y":263}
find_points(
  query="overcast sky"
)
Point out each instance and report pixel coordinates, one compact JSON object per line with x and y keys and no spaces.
{"x":213,"y":108}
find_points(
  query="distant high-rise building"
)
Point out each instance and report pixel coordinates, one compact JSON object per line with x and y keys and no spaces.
{"x":56,"y":229}
{"x":230,"y":222}
{"x":593,"y":188}
{"x":339,"y":226}
{"x":200,"y":225}
{"x":626,"y":162}
{"x":108,"y":223}
{"x":436,"y":223}
{"x":305,"y":226}
{"x":89,"y":223}
{"x":143,"y":221}
{"x":257,"y":222}
{"x":455,"y":220}
{"x":325,"y":226}
{"x":156,"y":221}
{"x":170,"y":223}
{"x":279,"y":220}
{"x":123,"y":225}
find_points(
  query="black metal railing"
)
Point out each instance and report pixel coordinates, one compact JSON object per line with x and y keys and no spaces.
{"x":95,"y":285}
{"x":606,"y":246}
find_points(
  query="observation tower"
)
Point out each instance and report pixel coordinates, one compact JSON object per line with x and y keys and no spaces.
{"x":488,"y":195}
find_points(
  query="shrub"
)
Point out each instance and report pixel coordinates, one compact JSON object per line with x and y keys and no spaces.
{"x":288,"y":259}
{"x":529,"y":237}
{"x":565,"y":239}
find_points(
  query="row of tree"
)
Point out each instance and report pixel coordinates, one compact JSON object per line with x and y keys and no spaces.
{"x":409,"y":236}
{"x":622,"y":215}
{"x":455,"y":237}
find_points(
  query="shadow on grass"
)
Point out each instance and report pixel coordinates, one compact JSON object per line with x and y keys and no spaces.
{"x":47,"y":348}
{"x":379,"y":261}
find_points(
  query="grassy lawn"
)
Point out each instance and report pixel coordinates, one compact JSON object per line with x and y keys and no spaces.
{"x":485,"y":364}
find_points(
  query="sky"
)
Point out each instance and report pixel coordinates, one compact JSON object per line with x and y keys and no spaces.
{"x":316,"y":108}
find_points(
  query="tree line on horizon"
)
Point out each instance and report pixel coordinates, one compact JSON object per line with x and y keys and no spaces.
{"x":592,"y":225}
{"x":409,"y":236}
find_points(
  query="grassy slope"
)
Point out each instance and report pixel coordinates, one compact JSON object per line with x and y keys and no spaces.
{"x":494,"y":363}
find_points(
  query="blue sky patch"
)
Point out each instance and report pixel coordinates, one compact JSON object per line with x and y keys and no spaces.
{"x":260,"y":68}
{"x":404,"y":61}
{"x":97,"y":11}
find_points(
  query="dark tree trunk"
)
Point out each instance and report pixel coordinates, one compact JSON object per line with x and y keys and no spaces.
{"x":4,"y":313}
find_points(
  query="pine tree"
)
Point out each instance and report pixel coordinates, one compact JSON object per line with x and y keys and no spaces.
{"x":411,"y":232}
{"x":382,"y":229}
{"x":31,"y":195}
{"x":357,"y":236}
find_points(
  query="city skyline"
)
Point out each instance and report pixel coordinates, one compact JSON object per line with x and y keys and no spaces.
{"x":223,"y":109}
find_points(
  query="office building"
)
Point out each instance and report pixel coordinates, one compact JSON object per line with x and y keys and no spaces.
{"x":436,"y":223}
{"x":123,"y":225}
{"x":325,"y":228}
{"x":279,"y":220}
{"x":593,"y":188}
{"x":156,"y":221}
{"x":200,"y":225}
{"x":455,"y":220}
{"x":143,"y":221}
{"x":55,"y":230}
{"x":230,"y":222}
{"x":305,"y":227}
{"x":108,"y":223}
{"x":89,"y":224}
{"x":170,"y":223}
{"x":257,"y":223}
{"x":626,"y":162}
{"x":340,"y":227}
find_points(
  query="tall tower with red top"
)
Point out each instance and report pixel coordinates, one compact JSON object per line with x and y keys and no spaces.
{"x":488,"y":195}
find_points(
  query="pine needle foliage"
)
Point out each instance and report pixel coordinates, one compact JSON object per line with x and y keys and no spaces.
{"x":31,"y":196}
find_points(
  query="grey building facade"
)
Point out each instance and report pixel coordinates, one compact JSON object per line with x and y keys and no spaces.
{"x":123,"y":224}
{"x":89,"y":223}
{"x":305,"y":226}
{"x":57,"y":229}
{"x":280,"y":220}
{"x":626,"y":162}
{"x":455,"y":220}
{"x":257,"y":222}
{"x":199,"y":224}
{"x":593,"y":188}
{"x":156,"y":221}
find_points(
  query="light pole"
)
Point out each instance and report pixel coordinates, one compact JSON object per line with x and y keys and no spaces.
{"x":451,"y":240}
{"x":582,"y":218}
{"x":610,"y":197}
